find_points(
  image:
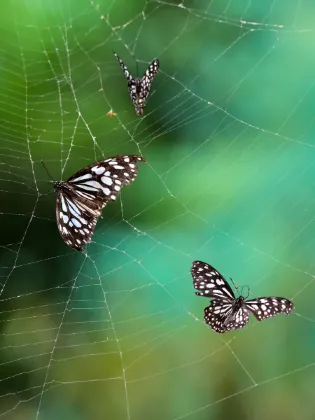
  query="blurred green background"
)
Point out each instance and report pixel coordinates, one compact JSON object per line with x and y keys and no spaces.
{"x":228,"y":134}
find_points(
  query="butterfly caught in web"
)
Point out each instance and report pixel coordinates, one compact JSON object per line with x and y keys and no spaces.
{"x":139,"y":87}
{"x":82,"y":197}
{"x":226,"y":312}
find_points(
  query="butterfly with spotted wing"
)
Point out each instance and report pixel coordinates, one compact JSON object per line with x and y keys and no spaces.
{"x":225,"y":312}
{"x":82,"y":197}
{"x":139,"y":87}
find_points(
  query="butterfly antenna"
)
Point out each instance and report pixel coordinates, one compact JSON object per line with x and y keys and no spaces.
{"x":234,"y":284}
{"x":48,"y":173}
{"x":248,"y":291}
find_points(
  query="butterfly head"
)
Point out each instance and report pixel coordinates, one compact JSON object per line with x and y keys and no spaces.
{"x":139,"y":110}
{"x":239,"y":301}
{"x":58,"y":185}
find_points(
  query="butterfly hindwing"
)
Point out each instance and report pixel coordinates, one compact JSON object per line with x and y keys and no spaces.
{"x":266,"y":307}
{"x":209,"y":282}
{"x":75,"y":221}
{"x":223,"y":317}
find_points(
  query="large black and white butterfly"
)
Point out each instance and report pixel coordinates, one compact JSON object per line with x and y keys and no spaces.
{"x":82,"y":197}
{"x":226,"y":312}
{"x":139,"y":87}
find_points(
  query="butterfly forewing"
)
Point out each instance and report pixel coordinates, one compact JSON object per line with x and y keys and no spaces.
{"x":209,"y":282}
{"x":124,"y":68}
{"x":151,"y":71}
{"x":149,"y":76}
{"x":102,"y":181}
{"x":82,"y":197}
{"x":266,"y":307}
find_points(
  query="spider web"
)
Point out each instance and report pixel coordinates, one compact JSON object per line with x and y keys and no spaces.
{"x":228,"y":135}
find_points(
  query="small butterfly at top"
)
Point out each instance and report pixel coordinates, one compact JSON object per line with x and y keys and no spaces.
{"x":82,"y":197}
{"x":226,"y":312}
{"x":139,"y":87}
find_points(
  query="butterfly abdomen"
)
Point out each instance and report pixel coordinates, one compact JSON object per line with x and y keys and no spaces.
{"x":59,"y":186}
{"x":138,"y":86}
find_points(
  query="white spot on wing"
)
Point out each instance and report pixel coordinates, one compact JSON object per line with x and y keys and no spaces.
{"x":219,"y":282}
{"x":81,"y":178}
{"x":98,"y":170}
{"x":76,"y":222}
{"x":94,"y":184}
{"x":107,"y":180}
{"x":63,"y":203}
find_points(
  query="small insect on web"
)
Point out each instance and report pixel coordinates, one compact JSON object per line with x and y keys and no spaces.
{"x":82,"y":197}
{"x":226,"y":312}
{"x":111,"y":113}
{"x":139,"y":87}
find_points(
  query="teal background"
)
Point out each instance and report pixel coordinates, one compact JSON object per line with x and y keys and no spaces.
{"x":228,"y":134}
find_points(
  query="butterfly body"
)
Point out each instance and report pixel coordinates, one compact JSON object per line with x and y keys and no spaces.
{"x":237,"y":305}
{"x":225,"y":312}
{"x":82,"y":197}
{"x":138,"y":84}
{"x":139,"y":87}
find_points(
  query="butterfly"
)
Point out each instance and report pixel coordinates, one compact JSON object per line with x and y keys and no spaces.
{"x":139,"y":87}
{"x":82,"y":197}
{"x":226,"y":312}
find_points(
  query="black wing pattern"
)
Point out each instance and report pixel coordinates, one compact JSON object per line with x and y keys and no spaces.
{"x":124,"y":68}
{"x":225,"y":312}
{"x":223,"y":317}
{"x":139,"y":87}
{"x":210,"y":282}
{"x":75,"y":221}
{"x":266,"y":307}
{"x":148,"y":78}
{"x":82,"y":197}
